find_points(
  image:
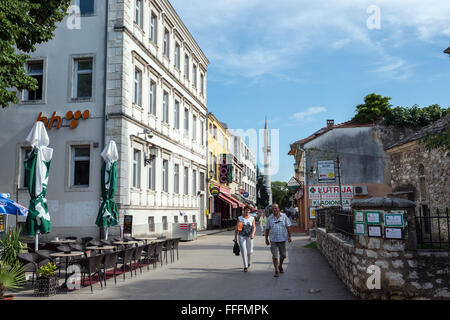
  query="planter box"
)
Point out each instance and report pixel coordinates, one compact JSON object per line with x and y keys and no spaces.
{"x":45,"y":287}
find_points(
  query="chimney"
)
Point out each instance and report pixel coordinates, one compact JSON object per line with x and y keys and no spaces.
{"x":330,"y":123}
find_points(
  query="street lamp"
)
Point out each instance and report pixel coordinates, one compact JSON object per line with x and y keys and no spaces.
{"x":153,"y":152}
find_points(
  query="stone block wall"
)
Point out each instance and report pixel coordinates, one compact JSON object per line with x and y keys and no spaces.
{"x":405,"y":274}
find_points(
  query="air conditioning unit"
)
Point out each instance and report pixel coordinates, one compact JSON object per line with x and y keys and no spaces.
{"x":361,"y":191}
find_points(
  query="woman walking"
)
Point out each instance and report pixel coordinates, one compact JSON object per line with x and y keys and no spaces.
{"x":262,"y":222}
{"x":246,"y":229}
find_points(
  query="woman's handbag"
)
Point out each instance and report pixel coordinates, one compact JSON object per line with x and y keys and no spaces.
{"x":236,"y":249}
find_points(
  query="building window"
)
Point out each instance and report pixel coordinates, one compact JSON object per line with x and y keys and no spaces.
{"x":80,"y":166}
{"x":137,"y":86}
{"x":136,"y":168}
{"x":86,"y":7}
{"x":35,"y":69}
{"x":166,"y":43}
{"x":186,"y":121}
{"x":82,"y":87}
{"x":177,"y":56}
{"x":186,"y":218}
{"x":202,"y":80}
{"x":194,"y":218}
{"x":215,"y":167}
{"x":24,"y":155}
{"x":186,"y":180}
{"x":194,"y":75}
{"x":151,"y":224}
{"x":154,"y":28}
{"x":153,"y":97}
{"x":176,"y":115}
{"x":151,"y":174}
{"x":166,"y":107}
{"x":186,"y":66}
{"x":175,"y":219}
{"x":165,"y":176}
{"x":202,"y":181}
{"x":164,"y":223}
{"x":194,"y":127}
{"x":202,"y":133}
{"x":139,"y":14}
{"x":176,"y":178}
{"x":194,"y":182}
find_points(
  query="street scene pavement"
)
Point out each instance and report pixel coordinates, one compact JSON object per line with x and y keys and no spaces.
{"x":208,"y":270}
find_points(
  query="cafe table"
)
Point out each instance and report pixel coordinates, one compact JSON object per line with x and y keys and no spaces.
{"x":146,"y":239}
{"x":100,"y":248}
{"x":63,"y":241}
{"x":67,"y":255}
{"x":125,"y":242}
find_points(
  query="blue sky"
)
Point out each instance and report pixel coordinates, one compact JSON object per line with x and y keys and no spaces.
{"x":302,"y":62}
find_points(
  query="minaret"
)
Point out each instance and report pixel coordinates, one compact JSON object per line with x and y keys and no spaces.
{"x":266,"y":150}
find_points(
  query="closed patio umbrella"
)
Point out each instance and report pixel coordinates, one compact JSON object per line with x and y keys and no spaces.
{"x":37,"y":167}
{"x":107,"y":214}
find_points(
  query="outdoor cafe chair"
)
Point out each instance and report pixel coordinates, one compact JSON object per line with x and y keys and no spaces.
{"x":158,"y":252}
{"x":85,"y":240}
{"x":110,"y":262}
{"x":90,"y":266}
{"x":32,"y":262}
{"x":168,"y":247}
{"x":149,"y":254}
{"x":125,"y":259}
{"x":94,"y":242}
{"x":137,"y":258}
{"x":175,"y":244}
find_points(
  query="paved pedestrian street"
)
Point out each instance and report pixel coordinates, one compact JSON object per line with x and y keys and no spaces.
{"x":208,"y":270}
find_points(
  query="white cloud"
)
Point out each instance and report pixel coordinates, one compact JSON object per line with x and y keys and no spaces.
{"x":253,"y":38}
{"x":308,"y":114}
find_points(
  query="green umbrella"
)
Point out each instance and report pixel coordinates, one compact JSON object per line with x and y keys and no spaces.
{"x":37,"y":166}
{"x":107,"y":214}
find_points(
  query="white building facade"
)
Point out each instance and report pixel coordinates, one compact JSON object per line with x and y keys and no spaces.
{"x":247,"y":161}
{"x":137,"y":77}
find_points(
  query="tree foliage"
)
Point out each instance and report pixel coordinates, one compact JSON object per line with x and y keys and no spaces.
{"x":262,"y":199}
{"x":377,"y":108}
{"x":23,"y":24}
{"x":438,"y":140}
{"x":374,"y":108}
{"x":281,"y":194}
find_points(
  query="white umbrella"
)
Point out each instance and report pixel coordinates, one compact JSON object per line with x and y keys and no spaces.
{"x":108,"y":215}
{"x":37,"y":167}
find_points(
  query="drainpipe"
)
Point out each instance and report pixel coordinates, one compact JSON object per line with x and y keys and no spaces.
{"x":104,"y":89}
{"x":105,"y":77}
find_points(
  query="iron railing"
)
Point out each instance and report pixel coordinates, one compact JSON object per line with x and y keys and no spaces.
{"x":433,"y":230}
{"x":343,"y":223}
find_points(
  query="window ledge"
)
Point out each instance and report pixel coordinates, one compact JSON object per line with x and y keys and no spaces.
{"x":32,"y":102}
{"x":81,"y":100}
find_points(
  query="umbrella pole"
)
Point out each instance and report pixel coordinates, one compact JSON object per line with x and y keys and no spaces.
{"x":36,"y":242}
{"x":106,"y":233}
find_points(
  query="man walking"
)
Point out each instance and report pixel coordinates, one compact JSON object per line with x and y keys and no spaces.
{"x":278,"y":227}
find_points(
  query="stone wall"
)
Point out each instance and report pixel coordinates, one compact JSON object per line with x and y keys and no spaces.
{"x":405,"y":274}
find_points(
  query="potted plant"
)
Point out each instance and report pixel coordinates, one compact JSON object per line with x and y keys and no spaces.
{"x":10,"y":246}
{"x":46,"y":282}
{"x":11,"y":277}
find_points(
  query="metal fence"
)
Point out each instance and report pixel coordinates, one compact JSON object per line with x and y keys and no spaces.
{"x":433,"y":230}
{"x":335,"y":219}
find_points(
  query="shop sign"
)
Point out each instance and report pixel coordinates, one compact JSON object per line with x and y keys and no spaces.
{"x":56,"y":121}
{"x":326,"y":171}
{"x":225,"y":171}
{"x":214,"y":191}
{"x":330,"y":192}
{"x":332,"y":203}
